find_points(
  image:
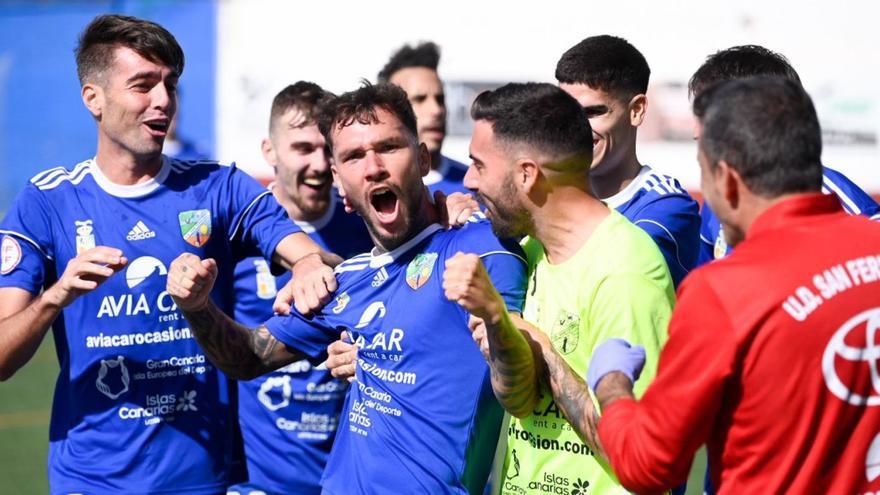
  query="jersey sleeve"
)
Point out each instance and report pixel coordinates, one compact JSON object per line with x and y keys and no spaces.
{"x":673,"y":221}
{"x":504,"y":259}
{"x":708,"y":233}
{"x":854,"y":200}
{"x":257,"y":222}
{"x":26,"y":242}
{"x":634,"y":308}
{"x":309,"y":335}
{"x":650,"y":442}
{"x":508,"y":271}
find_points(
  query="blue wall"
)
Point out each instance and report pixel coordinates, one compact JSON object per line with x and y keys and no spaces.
{"x":43,"y":123}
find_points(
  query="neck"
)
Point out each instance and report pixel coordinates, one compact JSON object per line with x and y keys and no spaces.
{"x":293,"y":211}
{"x":124,"y":168}
{"x":566,"y":221}
{"x":614,"y":178}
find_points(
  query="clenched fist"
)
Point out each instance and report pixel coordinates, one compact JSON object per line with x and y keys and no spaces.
{"x":190,"y":280}
{"x":467,"y":282}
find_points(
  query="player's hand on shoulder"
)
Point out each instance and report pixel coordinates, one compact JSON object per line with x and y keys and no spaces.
{"x":455,"y":209}
{"x":190,"y":280}
{"x":311,"y":287}
{"x":467,"y":282}
{"x":85,"y":273}
{"x":342,"y":357}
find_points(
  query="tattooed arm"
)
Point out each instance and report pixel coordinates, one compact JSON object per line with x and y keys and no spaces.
{"x":238,"y":351}
{"x":509,"y":354}
{"x":241,"y":353}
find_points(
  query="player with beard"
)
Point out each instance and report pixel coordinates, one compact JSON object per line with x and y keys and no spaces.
{"x":415,"y":70}
{"x":288,"y":417}
{"x":422,"y":417}
{"x":593,"y":275}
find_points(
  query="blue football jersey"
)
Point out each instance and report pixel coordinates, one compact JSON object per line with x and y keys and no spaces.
{"x":137,"y":407}
{"x":854,"y":200}
{"x":421,"y":417}
{"x":661,"y":207}
{"x":447,"y":177}
{"x":288,"y":417}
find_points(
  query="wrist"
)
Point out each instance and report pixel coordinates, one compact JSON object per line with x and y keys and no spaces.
{"x":54,"y":298}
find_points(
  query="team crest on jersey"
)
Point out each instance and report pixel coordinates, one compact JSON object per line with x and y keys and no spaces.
{"x":266,"y":287}
{"x":195,"y":226}
{"x":10,"y":254}
{"x":113,"y":379}
{"x":565,"y":332}
{"x":720,"y":245}
{"x":342,"y":301}
{"x":85,"y":235}
{"x":419,"y":270}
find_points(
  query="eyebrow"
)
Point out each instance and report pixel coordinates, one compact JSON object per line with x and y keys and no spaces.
{"x":595,"y":108}
{"x":143,"y":75}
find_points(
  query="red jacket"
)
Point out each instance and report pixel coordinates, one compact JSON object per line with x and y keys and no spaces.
{"x":772,"y":361}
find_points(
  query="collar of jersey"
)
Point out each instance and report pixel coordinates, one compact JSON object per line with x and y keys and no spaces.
{"x":436,"y":175}
{"x":312,"y":227}
{"x":380,"y":260}
{"x":132,"y":191}
{"x":630,"y":190}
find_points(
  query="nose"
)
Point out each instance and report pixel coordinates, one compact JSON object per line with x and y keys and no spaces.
{"x":320,"y":160}
{"x":470,"y":180}
{"x":375,"y":168}
{"x":163,"y":98}
{"x":436,"y":108}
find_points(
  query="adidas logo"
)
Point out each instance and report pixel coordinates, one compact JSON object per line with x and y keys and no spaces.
{"x":139,"y":232}
{"x":380,"y":278}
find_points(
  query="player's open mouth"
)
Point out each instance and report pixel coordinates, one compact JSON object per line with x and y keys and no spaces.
{"x":158,"y":127}
{"x":385,"y":204}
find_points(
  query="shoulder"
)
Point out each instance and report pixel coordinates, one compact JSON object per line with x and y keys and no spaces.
{"x":664,"y":193}
{"x":476,"y":237}
{"x":60,"y":177}
{"x":854,"y":199}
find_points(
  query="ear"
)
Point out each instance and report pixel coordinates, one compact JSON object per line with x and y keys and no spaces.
{"x":638,"y":108}
{"x":424,"y":159}
{"x":93,"y":99}
{"x":526,"y":173}
{"x":729,"y":184}
{"x":269,"y":152}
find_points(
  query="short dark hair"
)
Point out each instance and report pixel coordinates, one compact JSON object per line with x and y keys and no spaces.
{"x":766,"y":129}
{"x":539,"y":115}
{"x":425,"y":54}
{"x":361,"y":104}
{"x":606,"y":63}
{"x":99,"y":40}
{"x":738,"y":62}
{"x":307,"y":97}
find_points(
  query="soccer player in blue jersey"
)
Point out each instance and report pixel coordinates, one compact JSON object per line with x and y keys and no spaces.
{"x":422,"y":417}
{"x":609,"y":78}
{"x":753,"y":60}
{"x":415,"y":70}
{"x":86,"y":250}
{"x":288,"y":417}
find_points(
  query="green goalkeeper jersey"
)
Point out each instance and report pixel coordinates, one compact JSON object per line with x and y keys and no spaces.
{"x":616,"y":285}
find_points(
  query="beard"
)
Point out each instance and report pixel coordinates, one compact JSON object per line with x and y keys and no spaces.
{"x":509,"y":219}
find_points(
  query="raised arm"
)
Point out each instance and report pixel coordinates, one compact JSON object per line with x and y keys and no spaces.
{"x":510,"y":356}
{"x":25,"y":318}
{"x":238,"y":351}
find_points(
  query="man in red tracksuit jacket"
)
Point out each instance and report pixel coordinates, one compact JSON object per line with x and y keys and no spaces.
{"x":773,"y":352}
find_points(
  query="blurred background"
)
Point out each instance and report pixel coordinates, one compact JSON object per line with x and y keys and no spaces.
{"x":240,"y":53}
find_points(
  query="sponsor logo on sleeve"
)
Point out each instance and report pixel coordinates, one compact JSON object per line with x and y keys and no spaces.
{"x":266,"y":287}
{"x":10,"y":254}
{"x":419,"y":270}
{"x":85,"y":235}
{"x":195,"y":226}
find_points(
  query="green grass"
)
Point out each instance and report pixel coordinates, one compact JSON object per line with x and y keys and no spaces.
{"x":25,"y":401}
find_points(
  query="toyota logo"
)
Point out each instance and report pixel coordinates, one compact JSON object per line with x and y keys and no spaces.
{"x":855,"y":342}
